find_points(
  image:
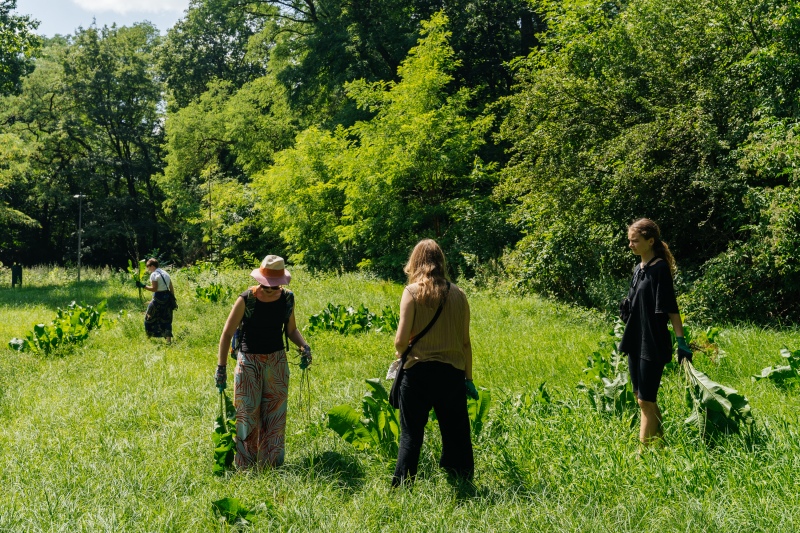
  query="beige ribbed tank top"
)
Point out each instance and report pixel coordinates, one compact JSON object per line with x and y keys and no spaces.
{"x":445,"y":340}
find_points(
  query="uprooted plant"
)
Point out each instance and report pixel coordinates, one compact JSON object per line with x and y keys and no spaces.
{"x":788,"y":374}
{"x":71,"y":326}
{"x":223,"y":436}
{"x":348,"y":320}
{"x":701,"y":341}
{"x":138,"y":275}
{"x":607,"y":385}
{"x":377,"y":427}
{"x":715,"y":408}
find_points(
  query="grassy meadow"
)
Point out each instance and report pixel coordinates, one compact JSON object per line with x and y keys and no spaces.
{"x":115,"y":435}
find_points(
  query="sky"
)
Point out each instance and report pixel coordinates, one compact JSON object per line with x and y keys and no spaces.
{"x":64,"y":16}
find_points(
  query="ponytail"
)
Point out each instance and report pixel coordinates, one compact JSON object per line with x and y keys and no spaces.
{"x":649,"y":230}
{"x":661,"y":250}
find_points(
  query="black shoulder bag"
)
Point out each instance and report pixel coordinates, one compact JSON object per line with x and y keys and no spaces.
{"x":625,"y":304}
{"x":394,"y":393}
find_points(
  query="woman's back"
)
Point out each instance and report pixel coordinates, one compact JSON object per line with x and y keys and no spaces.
{"x":445,"y":340}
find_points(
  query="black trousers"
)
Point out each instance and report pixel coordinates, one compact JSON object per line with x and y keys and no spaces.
{"x":439,"y":386}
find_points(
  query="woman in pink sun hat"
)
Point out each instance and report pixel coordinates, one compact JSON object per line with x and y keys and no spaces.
{"x":261,"y":378}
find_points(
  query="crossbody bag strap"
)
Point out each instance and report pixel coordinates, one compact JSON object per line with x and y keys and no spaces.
{"x":427,"y":328}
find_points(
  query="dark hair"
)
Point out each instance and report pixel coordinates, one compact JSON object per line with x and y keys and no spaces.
{"x":152,"y":262}
{"x":428,"y":267}
{"x":649,"y":230}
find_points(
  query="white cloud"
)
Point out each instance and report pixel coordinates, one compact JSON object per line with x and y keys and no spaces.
{"x":133,"y":6}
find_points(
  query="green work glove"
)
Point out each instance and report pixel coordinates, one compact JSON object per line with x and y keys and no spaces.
{"x":221,"y":377}
{"x":472,"y":392}
{"x":683,"y":350}
{"x":140,"y":284}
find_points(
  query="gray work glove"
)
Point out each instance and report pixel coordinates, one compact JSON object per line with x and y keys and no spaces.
{"x":221,"y":377}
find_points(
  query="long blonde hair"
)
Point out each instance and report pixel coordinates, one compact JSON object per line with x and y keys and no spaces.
{"x":650,"y":230}
{"x":428,"y":267}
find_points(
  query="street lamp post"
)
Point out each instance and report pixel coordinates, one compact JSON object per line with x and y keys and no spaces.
{"x":80,"y":209}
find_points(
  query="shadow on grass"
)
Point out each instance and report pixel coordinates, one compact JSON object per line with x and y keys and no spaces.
{"x":60,"y":295}
{"x":344,"y":472}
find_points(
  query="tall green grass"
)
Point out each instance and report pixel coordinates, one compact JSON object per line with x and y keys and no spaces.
{"x":116,"y":435}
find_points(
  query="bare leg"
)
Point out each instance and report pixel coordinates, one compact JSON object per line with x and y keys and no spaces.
{"x":650,"y":428}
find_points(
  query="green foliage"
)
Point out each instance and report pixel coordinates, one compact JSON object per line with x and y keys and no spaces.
{"x":783,"y":374}
{"x":18,"y":45}
{"x":224,"y":435}
{"x":716,"y":409}
{"x":89,"y":119}
{"x":71,"y":326}
{"x":212,"y":293}
{"x":214,"y":145}
{"x":232,"y":511}
{"x":757,"y":279}
{"x":639,"y":108}
{"x":364,"y":195}
{"x":347,"y":320}
{"x":138,"y":274}
{"x":207,"y":44}
{"x":377,"y":428}
{"x":608,"y":387}
{"x":702,"y":340}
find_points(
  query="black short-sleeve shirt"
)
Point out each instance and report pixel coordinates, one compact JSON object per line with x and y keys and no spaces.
{"x":646,"y":334}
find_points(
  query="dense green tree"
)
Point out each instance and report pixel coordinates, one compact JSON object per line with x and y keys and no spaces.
{"x":645,"y":108}
{"x":89,"y":115}
{"x":321,"y":44}
{"x":215,"y":144}
{"x":363,"y":195}
{"x":209,"y":43}
{"x":18,"y":44}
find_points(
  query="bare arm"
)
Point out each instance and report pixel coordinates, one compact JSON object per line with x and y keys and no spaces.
{"x":234,"y":319}
{"x":677,"y":325}
{"x":467,"y":346}
{"x":294,"y":333}
{"x":403,"y":335}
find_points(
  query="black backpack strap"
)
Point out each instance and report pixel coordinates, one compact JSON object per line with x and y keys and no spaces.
{"x":289,"y":296}
{"x":249,"y":308}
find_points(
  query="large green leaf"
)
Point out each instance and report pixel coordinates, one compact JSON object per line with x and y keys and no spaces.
{"x":715,"y":407}
{"x":346,"y":422}
{"x":232,"y":510}
{"x":782,"y":373}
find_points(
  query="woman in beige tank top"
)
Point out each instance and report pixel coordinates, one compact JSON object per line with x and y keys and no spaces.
{"x":438,"y":370}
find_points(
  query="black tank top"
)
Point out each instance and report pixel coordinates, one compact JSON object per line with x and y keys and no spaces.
{"x":263,"y":331}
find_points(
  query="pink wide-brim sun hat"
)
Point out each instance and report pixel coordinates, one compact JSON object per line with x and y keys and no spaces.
{"x":272,"y":272}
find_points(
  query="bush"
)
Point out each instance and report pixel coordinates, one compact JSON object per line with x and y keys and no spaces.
{"x":757,"y":280}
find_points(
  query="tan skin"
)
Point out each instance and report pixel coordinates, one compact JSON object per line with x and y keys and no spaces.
{"x":403,"y":335}
{"x":650,"y":428}
{"x":154,"y":288}
{"x":237,"y":313}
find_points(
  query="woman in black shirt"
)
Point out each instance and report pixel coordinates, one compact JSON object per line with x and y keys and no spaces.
{"x":646,"y":339}
{"x":261,"y":377}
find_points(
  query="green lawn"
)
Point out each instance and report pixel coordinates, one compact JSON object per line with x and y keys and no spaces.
{"x":115,"y":436}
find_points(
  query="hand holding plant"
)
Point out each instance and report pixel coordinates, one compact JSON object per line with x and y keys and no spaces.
{"x":305,"y":357}
{"x":684,"y":352}
{"x":221,"y":377}
{"x":472,"y":392}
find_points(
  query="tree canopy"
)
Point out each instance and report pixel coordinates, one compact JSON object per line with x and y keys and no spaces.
{"x":524,"y":136}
